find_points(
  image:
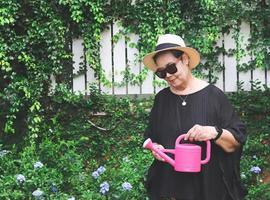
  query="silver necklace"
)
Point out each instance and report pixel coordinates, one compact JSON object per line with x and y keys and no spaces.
{"x":184,"y":103}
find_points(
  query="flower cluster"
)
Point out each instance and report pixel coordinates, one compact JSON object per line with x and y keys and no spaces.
{"x":38,"y":165}
{"x":243,"y":176}
{"x":53,"y":188}
{"x":98,"y":172}
{"x":104,"y":187}
{"x":3,"y":153}
{"x":20,"y":178}
{"x":254,"y":157}
{"x":126,"y":186}
{"x":37,"y":193}
{"x":256,"y":170}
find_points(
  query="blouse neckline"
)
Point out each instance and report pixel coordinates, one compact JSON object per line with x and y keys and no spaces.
{"x":189,"y":93}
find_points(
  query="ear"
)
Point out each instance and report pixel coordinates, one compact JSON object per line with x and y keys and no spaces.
{"x":185,"y":59}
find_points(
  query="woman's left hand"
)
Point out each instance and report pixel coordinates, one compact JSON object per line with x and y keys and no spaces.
{"x":201,"y":133}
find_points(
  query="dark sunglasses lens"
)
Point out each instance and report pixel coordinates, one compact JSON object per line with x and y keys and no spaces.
{"x":161,"y":73}
{"x":171,"y":68}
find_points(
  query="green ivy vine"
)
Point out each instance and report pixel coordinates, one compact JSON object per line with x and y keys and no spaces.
{"x":36,"y":38}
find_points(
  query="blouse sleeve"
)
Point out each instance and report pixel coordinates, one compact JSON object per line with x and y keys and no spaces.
{"x":230,"y":121}
{"x":149,"y":132}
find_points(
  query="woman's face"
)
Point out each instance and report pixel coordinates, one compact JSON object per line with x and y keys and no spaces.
{"x":181,"y":76}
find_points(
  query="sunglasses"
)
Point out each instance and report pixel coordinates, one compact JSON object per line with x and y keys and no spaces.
{"x":169,"y":68}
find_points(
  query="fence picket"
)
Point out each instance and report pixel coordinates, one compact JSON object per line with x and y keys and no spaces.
{"x":78,"y":59}
{"x":259,"y":75}
{"x":106,"y":58}
{"x":147,"y":85}
{"x":220,"y":81}
{"x":245,"y":77}
{"x":131,"y":59}
{"x":267,"y":81}
{"x":230,"y":65}
{"x":119,"y":62}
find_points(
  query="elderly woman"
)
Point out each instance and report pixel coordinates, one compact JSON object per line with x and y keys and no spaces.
{"x":201,"y":111}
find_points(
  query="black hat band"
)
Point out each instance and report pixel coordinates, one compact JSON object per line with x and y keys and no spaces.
{"x":165,"y":46}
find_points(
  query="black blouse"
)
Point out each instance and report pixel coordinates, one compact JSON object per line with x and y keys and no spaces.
{"x":220,"y":177}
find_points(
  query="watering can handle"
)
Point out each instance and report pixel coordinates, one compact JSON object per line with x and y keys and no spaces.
{"x":208,"y":148}
{"x":180,"y":137}
{"x":208,"y":152}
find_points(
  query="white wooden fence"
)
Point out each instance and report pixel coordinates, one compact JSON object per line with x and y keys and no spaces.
{"x":115,"y":58}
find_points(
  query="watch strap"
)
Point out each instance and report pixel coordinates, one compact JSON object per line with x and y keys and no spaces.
{"x":219,"y":131}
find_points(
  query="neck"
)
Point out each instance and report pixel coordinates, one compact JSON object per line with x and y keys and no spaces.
{"x":186,"y":87}
{"x":191,"y":85}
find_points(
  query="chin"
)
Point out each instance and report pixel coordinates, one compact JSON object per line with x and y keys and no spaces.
{"x":174,"y":83}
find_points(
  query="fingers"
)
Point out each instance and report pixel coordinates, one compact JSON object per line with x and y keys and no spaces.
{"x":198,"y":136}
{"x":193,"y":132}
{"x":199,"y":133}
{"x":158,"y":146}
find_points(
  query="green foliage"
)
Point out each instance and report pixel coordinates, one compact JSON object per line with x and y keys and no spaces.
{"x":253,"y":108}
{"x":71,"y":149}
{"x":35,"y":38}
{"x":52,"y":126}
{"x":201,"y":23}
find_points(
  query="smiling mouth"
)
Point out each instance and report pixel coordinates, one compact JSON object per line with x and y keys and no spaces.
{"x":170,"y":80}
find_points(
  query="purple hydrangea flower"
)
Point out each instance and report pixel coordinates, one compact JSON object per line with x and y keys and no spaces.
{"x":38,"y":165}
{"x":126,"y":186}
{"x":104,"y":187}
{"x":256,"y":170}
{"x":101,"y":169}
{"x":98,"y":172}
{"x":95,"y":174}
{"x":53,"y":189}
{"x":20,"y":178}
{"x":37,"y":193}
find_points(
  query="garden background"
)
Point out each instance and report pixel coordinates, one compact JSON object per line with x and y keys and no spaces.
{"x":57,"y":143}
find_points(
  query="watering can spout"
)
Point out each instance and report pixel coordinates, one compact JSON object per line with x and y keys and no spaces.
{"x":148,"y":144}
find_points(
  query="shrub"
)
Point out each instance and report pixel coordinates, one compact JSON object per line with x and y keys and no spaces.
{"x":72,"y":158}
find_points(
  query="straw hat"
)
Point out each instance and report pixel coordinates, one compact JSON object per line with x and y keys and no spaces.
{"x":173,"y":42}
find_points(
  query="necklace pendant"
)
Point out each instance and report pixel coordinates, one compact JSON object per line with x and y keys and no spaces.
{"x":184,"y":103}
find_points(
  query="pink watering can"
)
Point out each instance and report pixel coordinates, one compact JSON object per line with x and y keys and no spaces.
{"x":187,"y":157}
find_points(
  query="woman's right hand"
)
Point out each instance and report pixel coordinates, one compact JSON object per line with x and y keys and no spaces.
{"x":158,"y":146}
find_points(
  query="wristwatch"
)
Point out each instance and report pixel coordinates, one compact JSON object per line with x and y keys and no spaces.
{"x":219,"y":131}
